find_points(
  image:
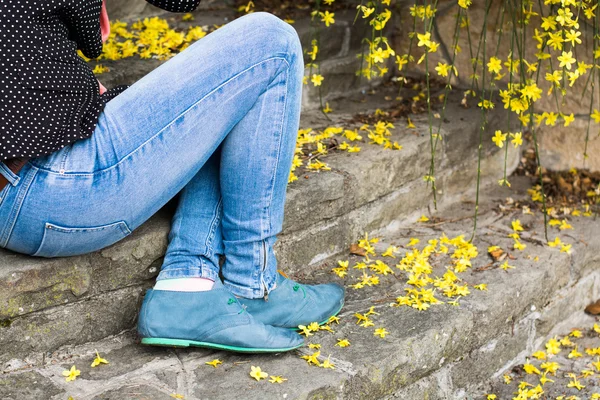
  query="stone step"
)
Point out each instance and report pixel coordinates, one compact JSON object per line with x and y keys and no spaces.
{"x":47,"y":303}
{"x":446,"y":352}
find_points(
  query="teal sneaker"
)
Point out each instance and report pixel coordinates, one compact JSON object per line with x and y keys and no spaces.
{"x":291,"y":304}
{"x":213,"y":319}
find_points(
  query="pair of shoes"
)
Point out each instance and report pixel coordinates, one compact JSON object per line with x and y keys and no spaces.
{"x":216,"y":319}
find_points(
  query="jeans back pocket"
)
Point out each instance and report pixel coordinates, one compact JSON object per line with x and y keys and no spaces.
{"x":60,"y":241}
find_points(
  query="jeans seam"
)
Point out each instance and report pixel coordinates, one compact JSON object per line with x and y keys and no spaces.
{"x":183,"y":113}
{"x":277,"y":159}
{"x":17,"y":204}
{"x":265,"y":244}
{"x":63,"y":163}
{"x":213,"y":228}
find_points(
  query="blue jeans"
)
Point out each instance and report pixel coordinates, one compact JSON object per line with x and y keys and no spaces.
{"x":217,"y":123}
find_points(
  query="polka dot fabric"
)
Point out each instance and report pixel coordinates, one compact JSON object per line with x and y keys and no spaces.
{"x":49,"y":96}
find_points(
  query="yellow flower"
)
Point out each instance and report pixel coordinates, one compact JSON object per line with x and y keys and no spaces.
{"x":568,"y":119}
{"x":423,"y":219}
{"x":443,"y":69}
{"x":565,"y":248}
{"x":327,"y":17}
{"x":71,"y":374}
{"x":381,"y":332}
{"x":566,"y":59}
{"x":371,"y":311}
{"x":505,"y":266}
{"x":464,"y":3}
{"x":214,"y":363}
{"x":481,"y":286}
{"x":531,"y":369}
{"x":366,"y":10}
{"x":550,"y":367}
{"x":401,"y":61}
{"x":318,"y":165}
{"x":531,"y":92}
{"x":390,"y":252}
{"x":313,"y":326}
{"x":328,"y":364}
{"x":494,"y":65}
{"x":314,"y":346}
{"x":540,"y":355}
{"x":517,"y":139}
{"x":519,"y":246}
{"x":587,"y":373}
{"x":187,"y":17}
{"x":367,"y":323}
{"x":564,"y":225}
{"x":332,"y":319}
{"x":343,"y":343}
{"x":552,"y":347}
{"x":257,"y":373}
{"x":304,"y":330}
{"x":100,"y":69}
{"x":516,"y":225}
{"x":499,"y":138}
{"x":574,"y":353}
{"x":277,"y":379}
{"x":98,"y":360}
{"x":313,"y":358}
{"x":486,"y":104}
{"x":317,"y":79}
{"x":491,"y":397}
{"x":424,"y":39}
{"x":544,"y":379}
{"x":573,"y":37}
{"x":575,"y":384}
{"x":413,"y":242}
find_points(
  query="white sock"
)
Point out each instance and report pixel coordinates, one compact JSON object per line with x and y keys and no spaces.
{"x":185,"y":284}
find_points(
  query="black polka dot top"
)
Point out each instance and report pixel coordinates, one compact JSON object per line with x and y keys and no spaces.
{"x":49,"y":96}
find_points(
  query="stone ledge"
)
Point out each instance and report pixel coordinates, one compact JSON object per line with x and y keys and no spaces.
{"x":444,"y":353}
{"x":324,"y":214}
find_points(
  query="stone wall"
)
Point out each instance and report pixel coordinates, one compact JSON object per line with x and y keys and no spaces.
{"x":127,"y":9}
{"x":561,"y":148}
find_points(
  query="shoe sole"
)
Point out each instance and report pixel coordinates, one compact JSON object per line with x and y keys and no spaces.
{"x":182,"y":343}
{"x":323,"y":322}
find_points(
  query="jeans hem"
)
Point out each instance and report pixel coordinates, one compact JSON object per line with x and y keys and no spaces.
{"x":191,"y":272}
{"x":249,"y":292}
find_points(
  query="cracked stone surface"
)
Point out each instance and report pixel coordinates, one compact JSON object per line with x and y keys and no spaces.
{"x":446,"y":352}
{"x":47,"y":303}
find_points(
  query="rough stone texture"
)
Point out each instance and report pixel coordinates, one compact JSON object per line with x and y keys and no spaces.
{"x":43,"y":301}
{"x":444,"y":353}
{"x":121,"y":9}
{"x":48,"y":303}
{"x":28,"y":385}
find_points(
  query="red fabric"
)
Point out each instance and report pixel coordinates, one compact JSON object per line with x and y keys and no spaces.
{"x":104,"y":22}
{"x":105,"y":30}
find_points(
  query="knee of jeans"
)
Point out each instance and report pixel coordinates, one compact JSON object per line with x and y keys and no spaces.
{"x":270,"y":23}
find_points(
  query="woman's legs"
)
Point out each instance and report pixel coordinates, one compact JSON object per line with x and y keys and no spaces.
{"x":235,"y":204}
{"x":242,"y":82}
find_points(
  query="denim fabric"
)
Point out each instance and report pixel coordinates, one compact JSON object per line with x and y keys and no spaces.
{"x":217,"y":123}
